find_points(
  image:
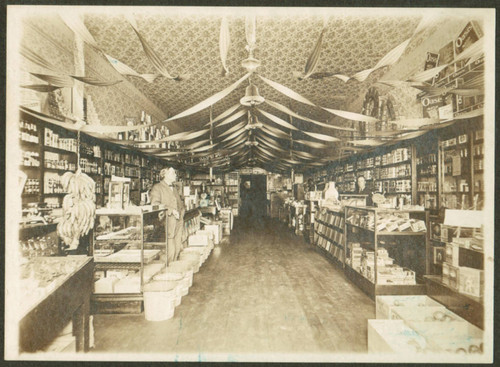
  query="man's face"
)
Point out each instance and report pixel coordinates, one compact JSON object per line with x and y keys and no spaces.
{"x":361,"y":182}
{"x":170,"y":176}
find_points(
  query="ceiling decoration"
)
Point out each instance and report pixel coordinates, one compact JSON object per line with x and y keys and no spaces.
{"x":145,"y":46}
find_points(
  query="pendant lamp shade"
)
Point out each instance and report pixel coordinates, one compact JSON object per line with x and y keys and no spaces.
{"x":252,"y":96}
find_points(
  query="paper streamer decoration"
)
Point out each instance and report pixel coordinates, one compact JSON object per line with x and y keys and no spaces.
{"x":416,"y":123}
{"x":36,"y":59}
{"x":197,"y":144}
{"x":42,"y":88}
{"x":367,"y":142}
{"x":210,"y":100}
{"x":311,"y":144}
{"x":235,"y":134}
{"x":224,"y":114}
{"x":74,"y":23}
{"x":232,"y":118}
{"x":351,"y":115}
{"x":312,"y":61}
{"x":224,"y":43}
{"x":126,"y":70}
{"x":56,"y":80}
{"x":95,"y":81}
{"x":288,"y":111}
{"x":277,"y":133}
{"x":427,"y":74}
{"x":322,"y":136}
{"x":287,"y":91}
{"x":277,"y":120}
{"x":239,"y":126}
{"x":250,"y":31}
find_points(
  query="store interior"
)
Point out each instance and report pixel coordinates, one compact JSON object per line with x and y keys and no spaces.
{"x":264,"y":184}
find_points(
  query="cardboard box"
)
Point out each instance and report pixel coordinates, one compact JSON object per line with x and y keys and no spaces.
{"x":452,"y":254}
{"x":393,"y":336}
{"x":453,"y":277}
{"x":129,"y":284}
{"x":105,"y":285}
{"x":198,"y":240}
{"x":384,"y":305}
{"x":216,"y":230}
{"x":471,"y":281}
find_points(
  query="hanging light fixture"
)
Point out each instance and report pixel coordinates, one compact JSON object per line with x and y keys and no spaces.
{"x":252,"y":96}
{"x":250,"y":64}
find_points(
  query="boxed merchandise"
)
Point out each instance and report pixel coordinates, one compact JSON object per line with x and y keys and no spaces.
{"x":453,"y":275}
{"x":471,"y":281}
{"x":105,"y":285}
{"x":393,"y":336}
{"x":216,"y":230}
{"x":384,"y":305}
{"x":129,"y":284}
{"x":198,"y":240}
{"x":451,"y":254}
{"x":440,"y":232}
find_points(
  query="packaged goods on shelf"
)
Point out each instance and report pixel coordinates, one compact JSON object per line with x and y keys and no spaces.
{"x":471,"y":281}
{"x":452,"y":254}
{"x":105,"y":285}
{"x":393,"y":336}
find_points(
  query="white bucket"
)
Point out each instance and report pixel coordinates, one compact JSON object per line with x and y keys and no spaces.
{"x":159,"y":300}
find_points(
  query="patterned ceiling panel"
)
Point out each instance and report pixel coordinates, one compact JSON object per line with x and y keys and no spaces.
{"x":190,"y":44}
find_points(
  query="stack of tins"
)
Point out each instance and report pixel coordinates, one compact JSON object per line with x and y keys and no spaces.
{"x":159,"y":300}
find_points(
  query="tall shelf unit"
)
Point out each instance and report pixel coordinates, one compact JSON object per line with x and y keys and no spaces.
{"x":232,"y":185}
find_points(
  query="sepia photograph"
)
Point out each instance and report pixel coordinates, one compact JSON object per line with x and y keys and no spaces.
{"x":249,"y":184}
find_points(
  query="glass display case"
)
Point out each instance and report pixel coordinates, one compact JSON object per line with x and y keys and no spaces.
{"x":129,"y":249}
{"x":386,"y":250}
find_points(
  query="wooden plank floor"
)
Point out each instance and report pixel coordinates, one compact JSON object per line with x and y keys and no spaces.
{"x":263,"y":291}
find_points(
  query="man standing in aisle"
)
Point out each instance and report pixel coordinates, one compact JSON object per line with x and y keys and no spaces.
{"x":362,"y":189}
{"x":165,"y":193}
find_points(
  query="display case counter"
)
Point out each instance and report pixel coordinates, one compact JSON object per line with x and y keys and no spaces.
{"x":129,"y":249}
{"x":54,"y":292}
{"x":386,"y":250}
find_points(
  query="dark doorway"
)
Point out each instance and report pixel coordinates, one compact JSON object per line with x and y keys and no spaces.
{"x":253,"y":190}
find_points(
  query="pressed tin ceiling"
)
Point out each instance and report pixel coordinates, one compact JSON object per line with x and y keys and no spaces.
{"x":189,"y":44}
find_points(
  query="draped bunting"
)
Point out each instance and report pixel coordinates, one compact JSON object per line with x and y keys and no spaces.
{"x":288,"y":111}
{"x":351,"y":115}
{"x":224,"y":43}
{"x":224,"y":114}
{"x":74,"y":23}
{"x":36,"y":59}
{"x":55,"y":80}
{"x":274,"y":132}
{"x":287,"y":91}
{"x":152,"y":55}
{"x":233,"y":135}
{"x":95,"y":81}
{"x":232,"y":118}
{"x":236,"y":127}
{"x":277,"y":120}
{"x":312,"y":61}
{"x":311,"y":144}
{"x":271,"y":145}
{"x":367,"y":142}
{"x":126,"y":70}
{"x":210,"y":100}
{"x":42,"y":88}
{"x":322,"y":136}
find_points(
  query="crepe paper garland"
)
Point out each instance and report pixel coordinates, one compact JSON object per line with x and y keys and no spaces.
{"x":235,"y":134}
{"x":250,"y":31}
{"x":288,"y":111}
{"x":411,"y":135}
{"x":367,"y":142}
{"x":197,"y":144}
{"x":273,"y":132}
{"x":224,"y":43}
{"x":272,"y":146}
{"x":236,"y":127}
{"x":351,"y":115}
{"x":427,"y":74}
{"x":277,"y":120}
{"x":127,"y":70}
{"x":311,"y":144}
{"x":95,"y":81}
{"x":36,"y":59}
{"x":322,"y":136}
{"x":41,"y":88}
{"x":415,"y":123}
{"x":210,"y":100}
{"x":55,"y":80}
{"x":232,"y":118}
{"x":312,"y":61}
{"x":392,"y":56}
{"x":74,"y":23}
{"x":236,"y":142}
{"x":287,"y":91}
{"x":224,"y":114}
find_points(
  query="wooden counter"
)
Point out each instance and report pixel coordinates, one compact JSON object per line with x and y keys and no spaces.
{"x":68,"y":301}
